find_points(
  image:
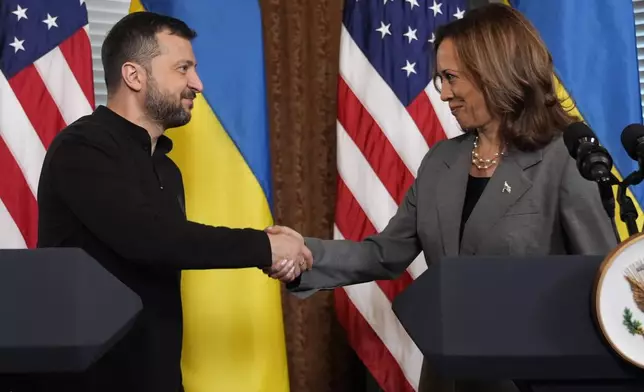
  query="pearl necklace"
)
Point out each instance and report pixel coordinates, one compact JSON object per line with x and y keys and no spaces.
{"x":482,"y":163}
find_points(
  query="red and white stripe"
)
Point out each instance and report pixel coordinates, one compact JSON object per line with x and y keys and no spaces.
{"x":380,"y":144}
{"x":35,"y":105}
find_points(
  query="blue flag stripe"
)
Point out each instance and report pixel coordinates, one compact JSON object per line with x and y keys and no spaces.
{"x":229,"y":42}
{"x":593,"y":43}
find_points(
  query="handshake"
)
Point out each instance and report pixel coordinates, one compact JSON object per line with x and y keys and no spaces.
{"x":290,"y":256}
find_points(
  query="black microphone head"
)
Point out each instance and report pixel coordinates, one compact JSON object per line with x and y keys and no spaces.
{"x":630,"y":136}
{"x":574,"y":134}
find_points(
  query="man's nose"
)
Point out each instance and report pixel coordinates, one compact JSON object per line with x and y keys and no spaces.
{"x":195,"y":83}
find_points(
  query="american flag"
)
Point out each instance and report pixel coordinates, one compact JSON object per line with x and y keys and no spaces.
{"x":389,"y":115}
{"x":46,"y":82}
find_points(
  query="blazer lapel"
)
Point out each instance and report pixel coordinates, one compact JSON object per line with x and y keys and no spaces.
{"x":507,"y":185}
{"x":451,"y":193}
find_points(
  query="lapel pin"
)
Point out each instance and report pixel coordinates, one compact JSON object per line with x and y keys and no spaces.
{"x":506,"y":187}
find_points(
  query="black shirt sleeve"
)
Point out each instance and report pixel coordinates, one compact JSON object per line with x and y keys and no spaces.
{"x":88,"y":177}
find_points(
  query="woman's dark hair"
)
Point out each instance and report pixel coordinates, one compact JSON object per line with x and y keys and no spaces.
{"x":501,"y":52}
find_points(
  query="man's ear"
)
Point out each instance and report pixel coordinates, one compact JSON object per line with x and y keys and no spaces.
{"x":133,"y":75}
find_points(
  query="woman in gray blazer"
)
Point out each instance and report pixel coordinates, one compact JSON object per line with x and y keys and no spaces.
{"x":507,"y":186}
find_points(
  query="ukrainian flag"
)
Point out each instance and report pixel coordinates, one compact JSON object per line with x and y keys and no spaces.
{"x":233,"y":328}
{"x":594,"y":50}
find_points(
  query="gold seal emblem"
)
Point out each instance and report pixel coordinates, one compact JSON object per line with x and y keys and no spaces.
{"x":619,"y":300}
{"x":634,"y":275}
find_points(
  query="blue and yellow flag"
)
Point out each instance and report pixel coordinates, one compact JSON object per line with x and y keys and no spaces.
{"x":594,"y":50}
{"x":233,"y":328}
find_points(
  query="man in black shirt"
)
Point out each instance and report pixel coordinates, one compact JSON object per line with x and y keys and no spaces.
{"x":108,"y":187}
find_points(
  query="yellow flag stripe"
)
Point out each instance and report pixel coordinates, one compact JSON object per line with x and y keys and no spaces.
{"x":233,"y":328}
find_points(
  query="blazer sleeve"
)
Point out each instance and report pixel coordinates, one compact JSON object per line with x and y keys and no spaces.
{"x":382,"y":256}
{"x":587,"y":227}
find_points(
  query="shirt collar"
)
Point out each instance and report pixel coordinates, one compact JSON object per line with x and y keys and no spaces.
{"x":136,"y":133}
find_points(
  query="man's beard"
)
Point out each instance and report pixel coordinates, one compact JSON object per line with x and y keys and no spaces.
{"x":164,"y":109}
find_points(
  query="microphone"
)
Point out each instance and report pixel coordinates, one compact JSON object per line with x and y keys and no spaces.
{"x":594,"y":164}
{"x":593,"y":161}
{"x":633,"y":142}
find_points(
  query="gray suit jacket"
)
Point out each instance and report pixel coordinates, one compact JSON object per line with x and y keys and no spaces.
{"x":550,"y":209}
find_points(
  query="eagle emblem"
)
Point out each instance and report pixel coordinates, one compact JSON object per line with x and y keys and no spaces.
{"x":634,"y":275}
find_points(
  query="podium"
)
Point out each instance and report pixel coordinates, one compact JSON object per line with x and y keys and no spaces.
{"x":61,"y":311}
{"x":527,"y":319}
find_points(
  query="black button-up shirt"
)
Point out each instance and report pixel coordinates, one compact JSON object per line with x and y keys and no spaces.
{"x":102,"y":190}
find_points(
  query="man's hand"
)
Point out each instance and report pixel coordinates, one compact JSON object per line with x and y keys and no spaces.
{"x":285,"y":230}
{"x":290,"y":256}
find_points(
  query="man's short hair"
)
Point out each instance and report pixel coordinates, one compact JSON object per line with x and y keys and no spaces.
{"x":133,"y":38}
